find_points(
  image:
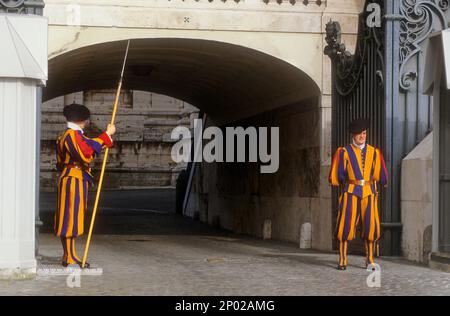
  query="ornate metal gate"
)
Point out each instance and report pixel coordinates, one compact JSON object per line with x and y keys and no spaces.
{"x":382,"y":81}
{"x":444,"y":172}
{"x":358,"y":89}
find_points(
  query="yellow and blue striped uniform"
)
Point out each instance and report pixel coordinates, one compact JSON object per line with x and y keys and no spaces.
{"x":74,"y":153}
{"x":358,"y":204}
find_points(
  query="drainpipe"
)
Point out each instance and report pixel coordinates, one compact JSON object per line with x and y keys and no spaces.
{"x":392,"y":223}
{"x":38,"y":222}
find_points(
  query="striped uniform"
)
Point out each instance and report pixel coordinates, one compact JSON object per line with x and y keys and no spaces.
{"x":74,"y":153}
{"x":358,"y":204}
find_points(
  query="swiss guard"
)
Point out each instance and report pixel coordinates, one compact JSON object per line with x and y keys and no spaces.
{"x":75,"y":152}
{"x":359,"y":168}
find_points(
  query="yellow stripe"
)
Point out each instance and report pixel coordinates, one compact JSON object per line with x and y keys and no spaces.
{"x":351,"y":188}
{"x":74,"y":141}
{"x":372,"y":222}
{"x":358,"y":218}
{"x":56,"y":216}
{"x":377,"y":217}
{"x":74,"y":253}
{"x":371,"y":252}
{"x":69,"y":251}
{"x":77,"y":148}
{"x":377,"y":169}
{"x":363,"y":216}
{"x":81,"y":208}
{"x":351,"y":233}
{"x":369,"y":162}
{"x":345,"y":253}
{"x":61,"y":209}
{"x":342,"y":221}
{"x":76,"y":173}
{"x":98,"y":140}
{"x":71,"y":208}
{"x":61,"y":142}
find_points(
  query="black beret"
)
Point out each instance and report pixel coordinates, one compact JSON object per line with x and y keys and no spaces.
{"x":76,"y":112}
{"x":359,"y":125}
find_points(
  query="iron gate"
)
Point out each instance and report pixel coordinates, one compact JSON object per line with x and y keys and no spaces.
{"x":382,"y":81}
{"x":358,"y":91}
{"x":444,"y":171}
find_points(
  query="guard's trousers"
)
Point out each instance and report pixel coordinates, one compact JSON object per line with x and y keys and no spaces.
{"x":354,"y":211}
{"x":70,"y":254}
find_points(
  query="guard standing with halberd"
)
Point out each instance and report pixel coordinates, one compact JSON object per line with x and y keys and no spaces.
{"x":75,"y":152}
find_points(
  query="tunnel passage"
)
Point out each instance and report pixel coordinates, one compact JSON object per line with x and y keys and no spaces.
{"x":228,"y":82}
{"x":239,"y":198}
{"x":233,"y":85}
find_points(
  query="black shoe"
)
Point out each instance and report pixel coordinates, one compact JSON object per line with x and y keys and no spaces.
{"x":71,"y":265}
{"x":86,"y":265}
{"x":372,"y":266}
{"x":339,"y":267}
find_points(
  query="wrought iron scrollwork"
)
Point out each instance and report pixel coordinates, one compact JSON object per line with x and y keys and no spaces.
{"x":349,"y":66}
{"x":294,"y":2}
{"x":22,"y":6}
{"x":11,"y":3}
{"x":420,"y":19}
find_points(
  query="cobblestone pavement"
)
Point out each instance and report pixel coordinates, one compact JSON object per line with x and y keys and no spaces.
{"x":197,"y":260}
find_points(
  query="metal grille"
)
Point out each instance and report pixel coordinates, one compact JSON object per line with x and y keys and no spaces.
{"x":22,"y":6}
{"x":382,"y":81}
{"x":358,"y":89}
{"x":444,"y":171}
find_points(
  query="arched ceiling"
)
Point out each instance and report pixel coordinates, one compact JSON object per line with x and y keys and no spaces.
{"x":227,"y":81}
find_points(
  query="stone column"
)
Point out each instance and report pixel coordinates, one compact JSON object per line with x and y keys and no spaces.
{"x":23,"y":67}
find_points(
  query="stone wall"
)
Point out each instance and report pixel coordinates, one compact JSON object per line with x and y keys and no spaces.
{"x":236,"y":196}
{"x":141,"y":154}
{"x":416,"y":201}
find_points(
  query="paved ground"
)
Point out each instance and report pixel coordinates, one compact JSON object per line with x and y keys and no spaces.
{"x":160,"y":253}
{"x":199,"y":261}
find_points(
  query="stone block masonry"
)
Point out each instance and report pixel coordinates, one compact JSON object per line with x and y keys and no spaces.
{"x":141,"y":155}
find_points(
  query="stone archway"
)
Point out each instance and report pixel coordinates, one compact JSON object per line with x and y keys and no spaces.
{"x":219,"y":78}
{"x":233,"y":84}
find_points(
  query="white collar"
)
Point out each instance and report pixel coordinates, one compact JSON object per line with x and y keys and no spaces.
{"x":359,"y":146}
{"x":74,"y":126}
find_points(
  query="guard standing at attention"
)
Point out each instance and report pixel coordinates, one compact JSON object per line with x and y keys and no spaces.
{"x":359,"y":168}
{"x":74,"y":154}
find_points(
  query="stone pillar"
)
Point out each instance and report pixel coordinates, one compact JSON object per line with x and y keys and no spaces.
{"x":23,"y":68}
